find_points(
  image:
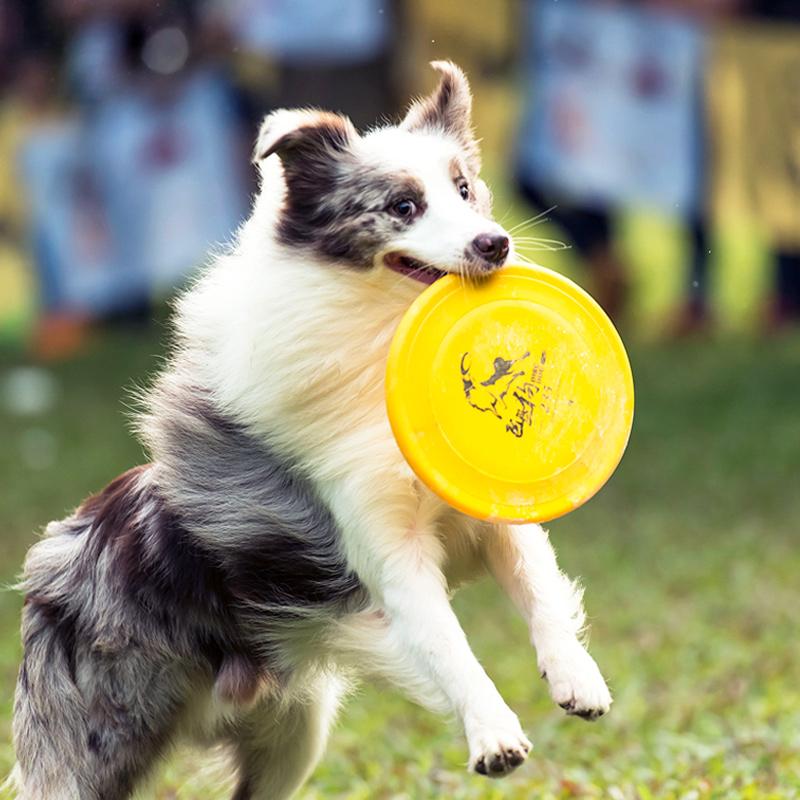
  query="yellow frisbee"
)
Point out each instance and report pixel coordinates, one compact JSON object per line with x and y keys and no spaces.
{"x":512,"y":399}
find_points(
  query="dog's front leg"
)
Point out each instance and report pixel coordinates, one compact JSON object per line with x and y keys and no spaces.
{"x":524,"y":564}
{"x":434,"y":645}
{"x":411,"y":635}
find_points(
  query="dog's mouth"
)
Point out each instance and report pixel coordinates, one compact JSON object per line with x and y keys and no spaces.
{"x":413,"y":268}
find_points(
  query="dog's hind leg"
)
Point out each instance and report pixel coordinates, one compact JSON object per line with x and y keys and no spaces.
{"x":279,"y":743}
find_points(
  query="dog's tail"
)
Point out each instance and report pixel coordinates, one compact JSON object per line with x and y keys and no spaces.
{"x":48,"y":709}
{"x":94,"y":704}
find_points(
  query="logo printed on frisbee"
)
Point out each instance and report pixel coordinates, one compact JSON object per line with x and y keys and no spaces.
{"x":514,"y":395}
{"x":512,"y":398}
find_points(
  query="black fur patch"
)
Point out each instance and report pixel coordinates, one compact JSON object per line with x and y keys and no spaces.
{"x":58,"y":626}
{"x":341,"y":209}
{"x":159,"y":565}
{"x":272,"y":543}
{"x":209,"y":547}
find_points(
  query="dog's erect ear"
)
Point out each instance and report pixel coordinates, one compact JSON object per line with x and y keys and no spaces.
{"x":449,"y":108}
{"x":294,"y":134}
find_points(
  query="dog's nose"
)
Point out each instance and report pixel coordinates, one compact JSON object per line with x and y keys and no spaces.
{"x":491,"y":246}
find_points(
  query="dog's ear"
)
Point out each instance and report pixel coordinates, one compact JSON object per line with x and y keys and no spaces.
{"x":298,"y":134}
{"x":448,"y":109}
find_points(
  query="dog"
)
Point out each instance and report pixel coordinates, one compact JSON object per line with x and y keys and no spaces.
{"x":278,"y":547}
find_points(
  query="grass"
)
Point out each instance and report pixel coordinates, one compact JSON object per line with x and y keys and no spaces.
{"x":689,"y":556}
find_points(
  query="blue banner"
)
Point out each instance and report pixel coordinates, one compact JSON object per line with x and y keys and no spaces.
{"x":613,"y":106}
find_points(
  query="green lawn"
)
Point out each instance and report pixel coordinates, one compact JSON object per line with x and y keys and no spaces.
{"x":689,"y":556}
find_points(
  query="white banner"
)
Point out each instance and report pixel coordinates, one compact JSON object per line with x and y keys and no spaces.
{"x":313,"y":31}
{"x":133,"y":201}
{"x":613,"y":96}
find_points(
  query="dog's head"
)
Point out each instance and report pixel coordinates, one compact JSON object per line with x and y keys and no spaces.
{"x":406,"y":198}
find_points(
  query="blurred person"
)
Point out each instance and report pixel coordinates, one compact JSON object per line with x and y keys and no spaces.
{"x":172,"y":131}
{"x":33,"y":104}
{"x":694,"y":316}
{"x":785,"y":307}
{"x":337,"y":54}
{"x":587,"y":223}
{"x":613,"y":120}
{"x":118,"y":190}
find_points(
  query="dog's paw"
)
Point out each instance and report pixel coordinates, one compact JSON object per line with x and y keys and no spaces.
{"x":496,"y":753}
{"x":576,"y":683}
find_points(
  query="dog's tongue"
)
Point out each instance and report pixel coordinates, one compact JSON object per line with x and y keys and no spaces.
{"x":417,"y":271}
{"x":425,"y":276}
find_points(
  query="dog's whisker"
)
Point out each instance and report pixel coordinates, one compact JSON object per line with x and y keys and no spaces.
{"x":539,"y":239}
{"x":531,"y":222}
{"x":509,"y":211}
{"x":532,"y":243}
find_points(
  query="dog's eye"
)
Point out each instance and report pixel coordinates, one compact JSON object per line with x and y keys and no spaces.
{"x":404,"y":209}
{"x":463,"y":190}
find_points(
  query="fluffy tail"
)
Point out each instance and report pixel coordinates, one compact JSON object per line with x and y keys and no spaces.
{"x":95,"y":701}
{"x":49,"y":713}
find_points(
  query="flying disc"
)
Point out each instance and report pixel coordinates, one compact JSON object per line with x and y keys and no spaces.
{"x":510,"y":398}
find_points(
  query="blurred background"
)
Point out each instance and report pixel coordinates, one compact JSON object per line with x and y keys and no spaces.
{"x":648,"y":150}
{"x":659,"y":141}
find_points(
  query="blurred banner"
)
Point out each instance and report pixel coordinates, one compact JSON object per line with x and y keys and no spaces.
{"x":613,"y":106}
{"x":312,"y":31}
{"x":754,"y":103}
{"x":126,"y":203}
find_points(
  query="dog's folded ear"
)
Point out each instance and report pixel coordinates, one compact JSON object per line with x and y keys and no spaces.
{"x":295,"y":133}
{"x":448,"y":109}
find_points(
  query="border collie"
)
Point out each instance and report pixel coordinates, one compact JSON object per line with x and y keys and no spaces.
{"x":278,"y":547}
